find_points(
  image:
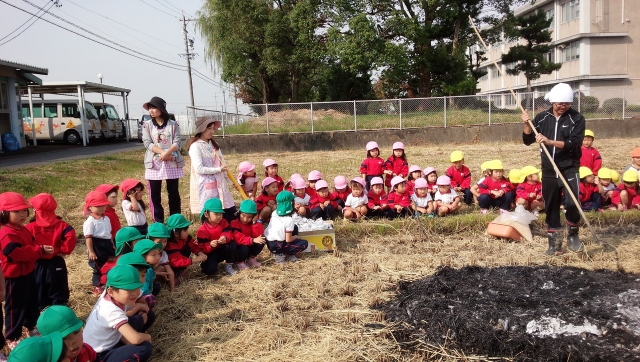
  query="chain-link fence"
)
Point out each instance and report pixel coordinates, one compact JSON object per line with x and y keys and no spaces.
{"x":410,"y":112}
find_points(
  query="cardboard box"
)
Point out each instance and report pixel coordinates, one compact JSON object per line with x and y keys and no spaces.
{"x":321,"y":240}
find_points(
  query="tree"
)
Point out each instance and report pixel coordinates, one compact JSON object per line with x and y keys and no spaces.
{"x":530,"y":57}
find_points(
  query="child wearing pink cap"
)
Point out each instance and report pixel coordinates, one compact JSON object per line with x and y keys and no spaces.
{"x":266,"y":202}
{"x":356,"y":203}
{"x":421,"y":201}
{"x":321,"y":204}
{"x":313,"y":177}
{"x":373,"y":165}
{"x":51,"y":272}
{"x":399,"y":200}
{"x":377,"y":203}
{"x":288,"y":186}
{"x":18,"y":260}
{"x":414,"y":173}
{"x":301,"y":200}
{"x":340,"y":192}
{"x":447,"y":200}
{"x":431,"y":176}
{"x":248,"y":179}
{"x":271,"y":170}
{"x":97,"y":234}
{"x":396,"y":164}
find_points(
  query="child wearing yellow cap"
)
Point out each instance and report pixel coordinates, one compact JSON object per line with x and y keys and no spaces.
{"x":590,"y":156}
{"x":627,"y":194}
{"x":589,"y":196}
{"x":460,"y":176}
{"x":529,"y":191}
{"x":605,"y":187}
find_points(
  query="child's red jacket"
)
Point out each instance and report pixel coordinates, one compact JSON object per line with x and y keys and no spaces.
{"x":61,"y":236}
{"x":489,"y":184}
{"x":317,"y":200}
{"x":337,"y":195}
{"x":372,"y":166}
{"x":207,"y":232}
{"x":591,"y":158}
{"x":396,"y":165}
{"x":395,"y":198}
{"x":19,"y":251}
{"x":633,"y":195}
{"x":244,"y":234}
{"x":376,"y":200}
{"x":459,"y":178}
{"x":113,"y":219}
{"x":262,"y":200}
{"x":586,"y":190}
{"x":179,"y":252}
{"x":525,"y":189}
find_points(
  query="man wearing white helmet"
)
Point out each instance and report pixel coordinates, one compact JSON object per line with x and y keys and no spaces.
{"x":561,"y":131}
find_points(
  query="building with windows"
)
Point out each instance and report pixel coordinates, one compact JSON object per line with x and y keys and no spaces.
{"x":593,"y":39}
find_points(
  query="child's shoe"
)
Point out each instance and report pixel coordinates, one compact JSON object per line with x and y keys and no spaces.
{"x":431,"y":216}
{"x":291,"y":258}
{"x":228,"y":269}
{"x":253,"y":262}
{"x":279,"y":258}
{"x":241,"y":266}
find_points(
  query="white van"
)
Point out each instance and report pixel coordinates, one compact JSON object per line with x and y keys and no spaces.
{"x":110,"y":122}
{"x":59,"y":120}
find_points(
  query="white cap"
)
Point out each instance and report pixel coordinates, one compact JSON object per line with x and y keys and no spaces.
{"x":560,"y":93}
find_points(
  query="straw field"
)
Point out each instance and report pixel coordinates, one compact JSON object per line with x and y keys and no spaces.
{"x":324,"y":307}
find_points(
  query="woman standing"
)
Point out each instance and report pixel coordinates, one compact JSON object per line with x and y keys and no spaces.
{"x":208,"y":169}
{"x":162,"y":160}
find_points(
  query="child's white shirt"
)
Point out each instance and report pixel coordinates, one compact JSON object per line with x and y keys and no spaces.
{"x":97,"y":228}
{"x":609,"y":187}
{"x":101,"y":328}
{"x":278,"y":226}
{"x":447,"y":198}
{"x":249,"y":182}
{"x":421,"y":201}
{"x":302,"y":200}
{"x":353,"y":201}
{"x":480,"y":181}
{"x":134,"y":218}
{"x":164,"y":258}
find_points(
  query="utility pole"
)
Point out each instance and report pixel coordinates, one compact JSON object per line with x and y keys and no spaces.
{"x":188,"y":43}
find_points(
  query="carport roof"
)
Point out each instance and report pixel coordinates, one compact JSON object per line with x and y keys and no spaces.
{"x":71,"y":88}
{"x":24,"y":67}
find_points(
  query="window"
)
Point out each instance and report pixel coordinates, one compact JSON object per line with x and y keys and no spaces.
{"x":571,"y":51}
{"x":570,"y":10}
{"x":50,"y":111}
{"x":550,"y":15}
{"x":549,"y":57}
{"x":111,"y":113}
{"x":509,"y":100}
{"x":70,"y":110}
{"x":37,"y":110}
{"x":511,"y":66}
{"x":495,"y":73}
{"x":4,"y":97}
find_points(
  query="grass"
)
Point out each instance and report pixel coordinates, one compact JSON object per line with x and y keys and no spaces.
{"x":323,"y":308}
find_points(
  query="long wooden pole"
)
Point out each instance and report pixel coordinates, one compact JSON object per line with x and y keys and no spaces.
{"x":535,"y":132}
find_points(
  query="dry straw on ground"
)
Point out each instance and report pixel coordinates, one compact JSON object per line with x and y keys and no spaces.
{"x":323,"y":307}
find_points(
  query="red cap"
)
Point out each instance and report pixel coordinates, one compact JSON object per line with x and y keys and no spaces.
{"x":12,"y":201}
{"x":107,"y":188}
{"x":45,"y":207}
{"x":128,"y":184}
{"x":95,"y":198}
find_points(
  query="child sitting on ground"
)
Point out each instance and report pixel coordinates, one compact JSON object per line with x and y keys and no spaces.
{"x":529,"y":191}
{"x":97,"y":234}
{"x":132,"y":204}
{"x":589,"y":196}
{"x":590,"y":156}
{"x":38,"y":349}
{"x":248,"y":179}
{"x":340,"y":192}
{"x":447,"y":200}
{"x":356,"y":203}
{"x":282,"y":233}
{"x":321,"y":205}
{"x":302,"y":200}
{"x":159,"y":233}
{"x":215,"y":239}
{"x":267,"y":200}
{"x":151,"y":252}
{"x":460,"y":176}
{"x":125,"y":239}
{"x":181,"y":245}
{"x":495,"y":190}
{"x":605,"y":186}
{"x":63,"y":320}
{"x":627,"y":194}
{"x":421,"y":201}
{"x":414,"y":173}
{"x":431,"y":176}
{"x":248,"y":235}
{"x":398,"y":198}
{"x":377,"y":205}
{"x":313,"y":177}
{"x":635,"y":161}
{"x":140,"y":314}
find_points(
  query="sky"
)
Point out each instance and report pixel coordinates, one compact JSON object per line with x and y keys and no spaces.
{"x":151,"y":27}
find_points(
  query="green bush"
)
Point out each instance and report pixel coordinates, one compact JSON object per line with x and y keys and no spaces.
{"x":589,"y":104}
{"x":613,"y":105}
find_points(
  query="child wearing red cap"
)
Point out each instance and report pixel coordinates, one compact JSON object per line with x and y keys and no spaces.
{"x":18,"y":260}
{"x":271,"y":170}
{"x":340,"y":192}
{"x":133,"y":206}
{"x":248,"y":179}
{"x":97,"y":234}
{"x":267,"y":200}
{"x":377,"y":204}
{"x":322,"y":207}
{"x":396,"y":164}
{"x":112,"y":195}
{"x":51,"y":270}
{"x":373,"y":165}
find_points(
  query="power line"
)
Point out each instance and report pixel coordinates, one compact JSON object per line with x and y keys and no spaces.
{"x":173,"y":6}
{"x":162,"y":11}
{"x":179,"y":12}
{"x":23,"y":24}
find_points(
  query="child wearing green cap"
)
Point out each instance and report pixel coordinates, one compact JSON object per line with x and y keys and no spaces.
{"x":141,"y":315}
{"x":62,"y":319}
{"x":181,"y":245}
{"x":125,"y":238}
{"x":282,"y":233}
{"x":248,"y":235}
{"x":159,"y":233}
{"x":38,"y":349}
{"x":151,"y":252}
{"x":215,"y":239}
{"x":108,"y":330}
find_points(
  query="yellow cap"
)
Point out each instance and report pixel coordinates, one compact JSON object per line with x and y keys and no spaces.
{"x":456,"y":156}
{"x":589,"y":133}
{"x":515,"y":176}
{"x":484,"y":166}
{"x":526,"y":171}
{"x":586,"y":171}
{"x":615,"y":176}
{"x":630,"y":176}
{"x":540,"y":174}
{"x":495,"y":165}
{"x":605,"y":173}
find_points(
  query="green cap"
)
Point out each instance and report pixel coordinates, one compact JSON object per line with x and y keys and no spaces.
{"x":38,"y":349}
{"x":177,"y":221}
{"x":284,"y":200}
{"x":58,"y":318}
{"x":213,"y":205}
{"x":124,"y":277}
{"x":126,"y":235}
{"x":158,"y":230}
{"x":145,"y":245}
{"x":133,"y":259}
{"x":248,"y":207}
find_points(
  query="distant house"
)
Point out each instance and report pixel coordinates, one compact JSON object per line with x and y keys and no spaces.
{"x":12,"y":76}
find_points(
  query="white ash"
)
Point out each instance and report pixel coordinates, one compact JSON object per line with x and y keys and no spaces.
{"x":553,"y":327}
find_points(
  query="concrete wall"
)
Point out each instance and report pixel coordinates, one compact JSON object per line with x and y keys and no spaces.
{"x":326,"y":141}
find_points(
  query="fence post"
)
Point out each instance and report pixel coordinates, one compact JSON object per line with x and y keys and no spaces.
{"x":533,"y":103}
{"x":489,"y":98}
{"x":224,"y":125}
{"x":624,"y":98}
{"x":311,"y":117}
{"x":400,"y":107}
{"x":579,"y":101}
{"x":267,"y":111}
{"x":355,"y":119}
{"x":445,"y":111}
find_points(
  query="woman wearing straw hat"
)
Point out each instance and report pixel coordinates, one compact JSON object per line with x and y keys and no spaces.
{"x":561,"y":130}
{"x":162,"y":160}
{"x":208,"y":170}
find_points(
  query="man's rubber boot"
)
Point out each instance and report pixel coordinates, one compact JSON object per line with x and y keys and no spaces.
{"x":573,"y":240}
{"x":555,"y":243}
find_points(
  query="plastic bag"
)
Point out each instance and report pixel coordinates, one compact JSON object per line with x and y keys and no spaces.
{"x":519,"y":215}
{"x":10,"y":143}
